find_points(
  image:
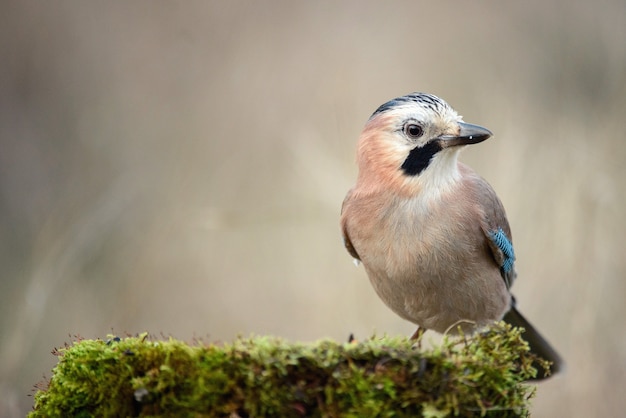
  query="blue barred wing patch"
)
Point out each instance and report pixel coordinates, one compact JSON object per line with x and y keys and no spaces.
{"x":502,"y":242}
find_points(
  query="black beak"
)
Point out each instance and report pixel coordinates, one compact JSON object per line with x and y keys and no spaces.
{"x":468,"y":134}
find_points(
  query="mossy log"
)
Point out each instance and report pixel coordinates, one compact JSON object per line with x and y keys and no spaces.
{"x":478,"y":375}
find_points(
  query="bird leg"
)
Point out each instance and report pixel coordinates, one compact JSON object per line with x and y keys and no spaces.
{"x":417,"y":335}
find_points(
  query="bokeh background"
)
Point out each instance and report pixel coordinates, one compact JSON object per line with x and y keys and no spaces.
{"x":178,"y":168}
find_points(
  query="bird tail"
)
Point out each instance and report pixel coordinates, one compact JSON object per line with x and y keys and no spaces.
{"x":538,"y":345}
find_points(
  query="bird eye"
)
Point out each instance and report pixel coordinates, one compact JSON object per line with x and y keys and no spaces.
{"x":413,"y":130}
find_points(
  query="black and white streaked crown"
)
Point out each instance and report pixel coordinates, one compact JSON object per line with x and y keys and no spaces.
{"x":426,"y":100}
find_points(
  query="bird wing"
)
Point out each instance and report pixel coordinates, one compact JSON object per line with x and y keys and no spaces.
{"x":344,"y":229}
{"x":497,"y":230}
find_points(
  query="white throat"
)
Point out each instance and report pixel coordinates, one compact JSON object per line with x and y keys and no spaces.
{"x":441,"y":175}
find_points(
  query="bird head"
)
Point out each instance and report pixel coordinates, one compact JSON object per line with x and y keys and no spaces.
{"x":411,"y":144}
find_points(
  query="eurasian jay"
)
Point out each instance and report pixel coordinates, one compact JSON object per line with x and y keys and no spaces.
{"x":431,"y":233}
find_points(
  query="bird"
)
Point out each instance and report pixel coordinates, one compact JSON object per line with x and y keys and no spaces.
{"x":431,"y":233}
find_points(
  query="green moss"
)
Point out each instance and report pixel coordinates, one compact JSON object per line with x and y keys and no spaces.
{"x":481,"y":375}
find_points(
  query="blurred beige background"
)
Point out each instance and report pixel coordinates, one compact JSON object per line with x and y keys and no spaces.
{"x":178,"y":168}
